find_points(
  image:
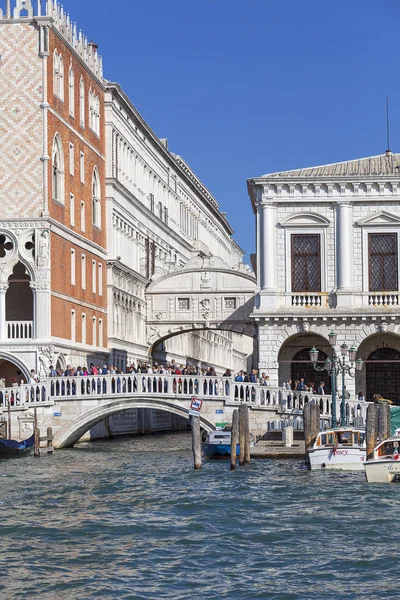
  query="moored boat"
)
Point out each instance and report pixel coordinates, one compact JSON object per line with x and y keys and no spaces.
{"x":9,"y":448}
{"x":384,"y":466}
{"x":218,"y":444}
{"x":342,"y":449}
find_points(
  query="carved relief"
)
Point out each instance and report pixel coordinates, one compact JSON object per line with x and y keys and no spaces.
{"x":43,"y":258}
{"x":46,"y":358}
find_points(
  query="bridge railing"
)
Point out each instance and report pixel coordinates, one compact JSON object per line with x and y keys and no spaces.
{"x":26,"y":395}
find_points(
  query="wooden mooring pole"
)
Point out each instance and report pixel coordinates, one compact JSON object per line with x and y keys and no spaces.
{"x":9,"y":418}
{"x":234,"y":438}
{"x":371,"y":428}
{"x":247,"y":435}
{"x":242,"y":434}
{"x":36,"y":446}
{"x":196,"y":442}
{"x":48,"y":439}
{"x":383,"y":421}
{"x":311,"y":420}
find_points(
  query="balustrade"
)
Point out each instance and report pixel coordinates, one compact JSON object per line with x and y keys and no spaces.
{"x":383,"y":300}
{"x":19,"y":330}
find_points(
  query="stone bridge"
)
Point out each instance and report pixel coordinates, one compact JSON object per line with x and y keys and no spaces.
{"x":204,"y":294}
{"x":73,"y":405}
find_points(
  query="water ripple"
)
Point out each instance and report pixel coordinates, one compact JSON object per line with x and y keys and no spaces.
{"x":131,"y":520}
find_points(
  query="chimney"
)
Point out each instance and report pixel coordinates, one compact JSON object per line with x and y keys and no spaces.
{"x":93,"y":46}
{"x":164,"y":142}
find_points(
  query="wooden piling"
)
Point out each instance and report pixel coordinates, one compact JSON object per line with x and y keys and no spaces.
{"x":371,"y":428}
{"x":311,"y":420}
{"x":234,"y":438}
{"x":383,"y":421}
{"x":242,"y":428}
{"x":36,"y":446}
{"x":196,"y":442}
{"x":247,"y":435}
{"x":49,"y":445}
{"x":9,"y":418}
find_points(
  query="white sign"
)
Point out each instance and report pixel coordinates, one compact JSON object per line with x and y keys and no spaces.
{"x":194,"y":413}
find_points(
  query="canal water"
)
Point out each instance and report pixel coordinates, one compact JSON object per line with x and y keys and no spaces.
{"x":130,"y":519}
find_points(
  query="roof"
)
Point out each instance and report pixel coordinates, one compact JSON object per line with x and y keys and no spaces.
{"x":383,"y":164}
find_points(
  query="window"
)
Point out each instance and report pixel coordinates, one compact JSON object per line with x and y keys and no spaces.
{"x":83,"y":328}
{"x":94,"y":112}
{"x":165,"y":215}
{"x":83,"y":272}
{"x":73,"y":326}
{"x":183,"y":303}
{"x":83,"y":221}
{"x":72,"y":209}
{"x":94,"y":276}
{"x":160,"y":211}
{"x":100,"y":279}
{"x":71,"y":159}
{"x":71,"y":92}
{"x":383,"y":262}
{"x":73,"y":273}
{"x":101,"y":333}
{"x":94,"y":341}
{"x":58,"y":75}
{"x":58,"y":170}
{"x":306,"y":263}
{"x":96,"y":206}
{"x":151,"y":196}
{"x":230,"y":303}
{"x":82,"y":166}
{"x":82,"y":103}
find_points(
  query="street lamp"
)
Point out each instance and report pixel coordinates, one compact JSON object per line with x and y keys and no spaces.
{"x":336,"y":365}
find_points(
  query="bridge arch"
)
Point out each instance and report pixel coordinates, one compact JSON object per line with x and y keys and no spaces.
{"x":74,"y":429}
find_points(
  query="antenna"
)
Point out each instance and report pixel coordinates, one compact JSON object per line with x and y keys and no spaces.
{"x":387,"y":125}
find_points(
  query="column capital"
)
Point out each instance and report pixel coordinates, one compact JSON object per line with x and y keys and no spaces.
{"x":3,"y":287}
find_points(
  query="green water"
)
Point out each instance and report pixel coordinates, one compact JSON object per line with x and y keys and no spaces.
{"x":130,"y":519}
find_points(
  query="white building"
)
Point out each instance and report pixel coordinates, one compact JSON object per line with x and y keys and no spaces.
{"x":328,"y":259}
{"x":159,"y":217}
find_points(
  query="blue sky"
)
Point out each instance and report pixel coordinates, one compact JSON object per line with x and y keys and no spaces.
{"x":245,"y":87}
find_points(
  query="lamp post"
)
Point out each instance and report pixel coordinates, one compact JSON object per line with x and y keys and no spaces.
{"x":334,"y":366}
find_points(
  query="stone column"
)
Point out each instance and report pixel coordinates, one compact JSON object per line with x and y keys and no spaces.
{"x":42,"y":314}
{"x":3,"y":325}
{"x":344,"y":253}
{"x":267,"y":258}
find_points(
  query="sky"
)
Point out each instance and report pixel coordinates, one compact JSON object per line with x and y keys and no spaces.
{"x":246,"y":87}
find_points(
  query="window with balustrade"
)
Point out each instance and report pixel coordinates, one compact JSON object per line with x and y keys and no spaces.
{"x":382,"y":262}
{"x":306,"y":262}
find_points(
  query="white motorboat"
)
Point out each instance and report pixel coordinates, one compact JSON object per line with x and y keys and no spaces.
{"x":384,"y":466}
{"x":342,"y":448}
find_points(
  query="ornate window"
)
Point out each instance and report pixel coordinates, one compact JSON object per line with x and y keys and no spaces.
{"x":96,"y":200}
{"x":383,"y":262}
{"x":183,"y":303}
{"x":58,"y":75}
{"x":306,"y":263}
{"x":71,"y":92}
{"x":94,"y":116}
{"x":82,"y":103}
{"x":57,"y":170}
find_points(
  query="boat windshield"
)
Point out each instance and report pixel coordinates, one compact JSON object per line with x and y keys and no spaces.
{"x":344,"y":438}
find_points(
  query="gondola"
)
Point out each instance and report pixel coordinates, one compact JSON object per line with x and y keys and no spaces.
{"x":9,"y":448}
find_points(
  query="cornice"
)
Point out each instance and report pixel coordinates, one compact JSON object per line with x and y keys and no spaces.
{"x":77,"y":239}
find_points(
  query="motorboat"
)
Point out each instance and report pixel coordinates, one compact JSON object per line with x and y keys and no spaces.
{"x":342,"y":448}
{"x":218,"y":444}
{"x":384,"y":466}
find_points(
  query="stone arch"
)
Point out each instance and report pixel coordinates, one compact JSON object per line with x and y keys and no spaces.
{"x":302,"y":342}
{"x":380,"y":351}
{"x":72,"y":431}
{"x":14,"y":360}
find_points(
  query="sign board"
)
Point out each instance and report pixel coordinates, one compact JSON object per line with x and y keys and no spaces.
{"x":57,"y":414}
{"x":196,"y":404}
{"x":219,"y":411}
{"x":194,"y":413}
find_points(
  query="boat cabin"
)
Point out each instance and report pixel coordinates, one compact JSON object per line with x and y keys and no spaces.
{"x":388,"y":448}
{"x":341,"y":437}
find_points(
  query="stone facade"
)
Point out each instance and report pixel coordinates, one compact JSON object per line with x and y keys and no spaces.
{"x":348,"y":282}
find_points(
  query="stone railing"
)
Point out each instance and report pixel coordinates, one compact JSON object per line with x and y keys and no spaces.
{"x":19,"y":330}
{"x":383,"y":299}
{"x":288,"y":404}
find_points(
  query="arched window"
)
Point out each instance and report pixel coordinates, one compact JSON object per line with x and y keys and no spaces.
{"x":71,"y":92}
{"x":94,"y":108}
{"x":58,"y":75}
{"x":57,"y":170}
{"x":82,"y":102}
{"x":96,"y":200}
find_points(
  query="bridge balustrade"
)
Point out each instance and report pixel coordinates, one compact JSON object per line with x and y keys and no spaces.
{"x":25,"y":395}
